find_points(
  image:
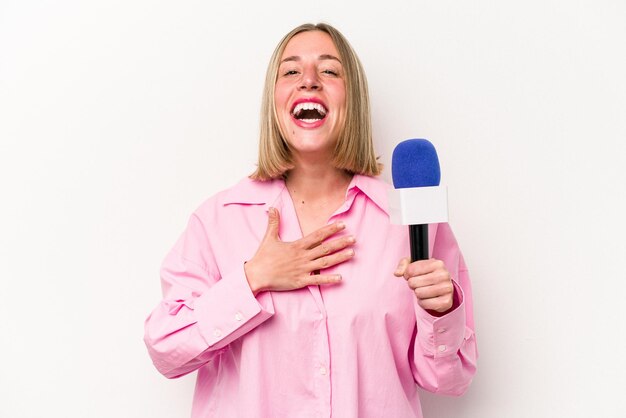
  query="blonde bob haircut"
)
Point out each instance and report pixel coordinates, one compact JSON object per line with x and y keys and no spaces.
{"x":354,"y":151}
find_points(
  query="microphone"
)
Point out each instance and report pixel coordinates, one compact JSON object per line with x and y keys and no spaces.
{"x":417,"y":199}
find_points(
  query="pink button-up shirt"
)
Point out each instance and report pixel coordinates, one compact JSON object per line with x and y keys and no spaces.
{"x":358,"y":348}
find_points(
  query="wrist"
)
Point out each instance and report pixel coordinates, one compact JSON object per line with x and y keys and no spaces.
{"x":248,"y":270}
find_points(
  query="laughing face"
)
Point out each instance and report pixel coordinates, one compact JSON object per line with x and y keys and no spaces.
{"x":310,"y":95}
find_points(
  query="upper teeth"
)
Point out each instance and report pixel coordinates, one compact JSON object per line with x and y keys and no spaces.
{"x":309,"y":106}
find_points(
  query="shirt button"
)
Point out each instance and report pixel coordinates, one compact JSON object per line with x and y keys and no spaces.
{"x":442,"y":348}
{"x":323,"y":371}
{"x":217,"y":332}
{"x":238,"y":316}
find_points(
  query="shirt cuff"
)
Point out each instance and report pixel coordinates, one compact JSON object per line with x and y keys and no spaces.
{"x":442,"y":336}
{"x":230,"y":310}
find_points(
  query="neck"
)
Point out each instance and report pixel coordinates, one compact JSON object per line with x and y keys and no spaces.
{"x":313,"y":182}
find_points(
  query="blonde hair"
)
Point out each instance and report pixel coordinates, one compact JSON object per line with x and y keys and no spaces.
{"x":354,"y":151}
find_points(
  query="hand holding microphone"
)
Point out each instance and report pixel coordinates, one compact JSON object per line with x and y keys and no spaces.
{"x":431,"y":283}
{"x":417,"y":201}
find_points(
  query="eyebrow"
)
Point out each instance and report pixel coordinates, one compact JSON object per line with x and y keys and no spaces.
{"x":321,"y":57}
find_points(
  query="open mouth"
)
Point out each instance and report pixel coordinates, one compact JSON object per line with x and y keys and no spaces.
{"x":309,"y":112}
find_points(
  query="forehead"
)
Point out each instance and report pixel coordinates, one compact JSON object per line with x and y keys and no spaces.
{"x":310,"y":44}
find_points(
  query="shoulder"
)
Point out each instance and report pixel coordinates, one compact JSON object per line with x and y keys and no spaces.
{"x":372,"y":182}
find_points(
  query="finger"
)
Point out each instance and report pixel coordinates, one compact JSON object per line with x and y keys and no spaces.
{"x":331,"y":260}
{"x":329,"y":247}
{"x":402,"y":265}
{"x":273,"y":225}
{"x":439,"y":304}
{"x":322,"y":279}
{"x":434,"y":291}
{"x":439,"y":276}
{"x":422,"y":267}
{"x":315,"y":238}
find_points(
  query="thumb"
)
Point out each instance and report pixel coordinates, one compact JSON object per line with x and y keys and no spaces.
{"x":273,"y":223}
{"x":402,"y":265}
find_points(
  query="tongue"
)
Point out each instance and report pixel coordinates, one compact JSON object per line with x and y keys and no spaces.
{"x":310,"y":114}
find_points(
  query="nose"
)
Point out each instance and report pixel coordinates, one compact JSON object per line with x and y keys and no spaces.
{"x":309,"y":80}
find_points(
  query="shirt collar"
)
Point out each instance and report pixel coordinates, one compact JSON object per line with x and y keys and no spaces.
{"x":374,"y":188}
{"x":254,"y":192}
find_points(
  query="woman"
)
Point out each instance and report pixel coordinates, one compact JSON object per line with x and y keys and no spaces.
{"x":290,"y":293}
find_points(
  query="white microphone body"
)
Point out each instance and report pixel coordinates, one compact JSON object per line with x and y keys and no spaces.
{"x":418,"y":205}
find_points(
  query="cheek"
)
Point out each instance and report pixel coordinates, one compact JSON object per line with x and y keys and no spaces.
{"x":341,"y":104}
{"x":282,"y":91}
{"x":340,"y":96}
{"x":279,"y":100}
{"x":280,"y":104}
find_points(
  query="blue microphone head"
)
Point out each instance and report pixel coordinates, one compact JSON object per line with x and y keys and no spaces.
{"x":415,"y":164}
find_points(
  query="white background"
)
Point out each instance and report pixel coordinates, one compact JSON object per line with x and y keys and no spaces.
{"x":117,"y":118}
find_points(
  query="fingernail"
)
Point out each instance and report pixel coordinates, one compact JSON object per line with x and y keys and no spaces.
{"x":337,"y":277}
{"x":350,"y":252}
{"x":341,"y":225}
{"x":351,"y":239}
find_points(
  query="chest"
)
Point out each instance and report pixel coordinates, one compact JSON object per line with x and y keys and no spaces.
{"x":313,"y":215}
{"x":311,"y":219}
